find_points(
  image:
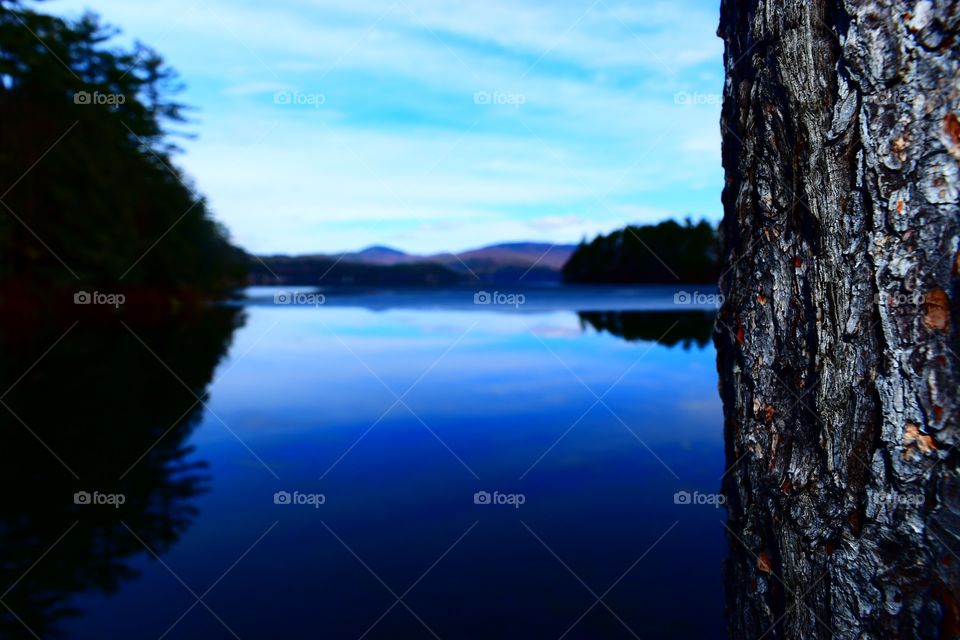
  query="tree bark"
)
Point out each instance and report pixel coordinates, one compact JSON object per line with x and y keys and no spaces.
{"x":837,"y":348}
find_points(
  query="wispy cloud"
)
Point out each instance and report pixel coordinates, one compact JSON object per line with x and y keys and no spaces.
{"x":436,"y":125}
{"x":255,"y":88}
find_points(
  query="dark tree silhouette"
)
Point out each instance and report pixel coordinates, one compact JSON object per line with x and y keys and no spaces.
{"x":89,"y":191}
{"x":664,"y":253}
{"x":669,"y":329}
{"x":115,"y":417}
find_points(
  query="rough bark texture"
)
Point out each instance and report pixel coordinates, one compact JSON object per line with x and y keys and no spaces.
{"x":837,"y":344}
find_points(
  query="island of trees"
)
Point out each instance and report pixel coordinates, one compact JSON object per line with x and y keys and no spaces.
{"x":665,"y":253}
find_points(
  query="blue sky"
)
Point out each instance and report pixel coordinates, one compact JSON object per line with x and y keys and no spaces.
{"x":434,"y":125}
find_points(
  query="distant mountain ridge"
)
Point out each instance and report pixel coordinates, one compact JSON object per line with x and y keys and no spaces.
{"x":515,"y":253}
{"x":668,"y":252}
{"x":377,"y":255}
{"x":505,"y":263}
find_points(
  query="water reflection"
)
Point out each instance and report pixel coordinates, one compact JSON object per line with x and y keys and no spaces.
{"x":97,"y":412}
{"x":494,"y":400}
{"x":666,"y":328}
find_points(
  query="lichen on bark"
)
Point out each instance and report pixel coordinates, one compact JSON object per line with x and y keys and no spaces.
{"x":837,"y":340}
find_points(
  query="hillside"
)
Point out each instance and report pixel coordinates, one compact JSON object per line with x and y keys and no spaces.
{"x":324,"y":270}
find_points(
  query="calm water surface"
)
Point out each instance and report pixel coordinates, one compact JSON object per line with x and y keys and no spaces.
{"x":399,"y":421}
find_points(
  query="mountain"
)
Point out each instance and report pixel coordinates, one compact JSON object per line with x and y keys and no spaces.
{"x":529,"y":262}
{"x":514,"y":253}
{"x":512,"y":262}
{"x":379,"y":255}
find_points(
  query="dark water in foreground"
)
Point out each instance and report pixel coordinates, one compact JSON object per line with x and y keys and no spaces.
{"x":398,"y":422}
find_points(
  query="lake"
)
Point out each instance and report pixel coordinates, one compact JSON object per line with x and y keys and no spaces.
{"x":435,"y":464}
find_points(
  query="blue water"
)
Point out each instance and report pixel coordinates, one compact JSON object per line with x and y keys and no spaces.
{"x":398,"y":409}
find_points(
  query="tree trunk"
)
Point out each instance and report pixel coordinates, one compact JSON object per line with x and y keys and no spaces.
{"x":837,"y":348}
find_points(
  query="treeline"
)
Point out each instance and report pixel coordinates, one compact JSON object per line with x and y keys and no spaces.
{"x":326,"y":271}
{"x":90,"y":194}
{"x":666,"y":253}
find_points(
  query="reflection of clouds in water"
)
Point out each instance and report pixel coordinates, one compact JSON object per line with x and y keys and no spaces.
{"x":397,"y":324}
{"x":488,"y":365}
{"x":557,"y":331}
{"x":706,"y":406}
{"x":499,"y":400}
{"x":554,"y":324}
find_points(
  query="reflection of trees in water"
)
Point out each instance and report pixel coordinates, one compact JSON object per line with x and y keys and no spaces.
{"x":100,"y":401}
{"x":666,"y":328}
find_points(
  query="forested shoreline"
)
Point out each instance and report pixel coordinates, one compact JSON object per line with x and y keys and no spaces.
{"x":92,"y":198}
{"x":665,"y":253}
